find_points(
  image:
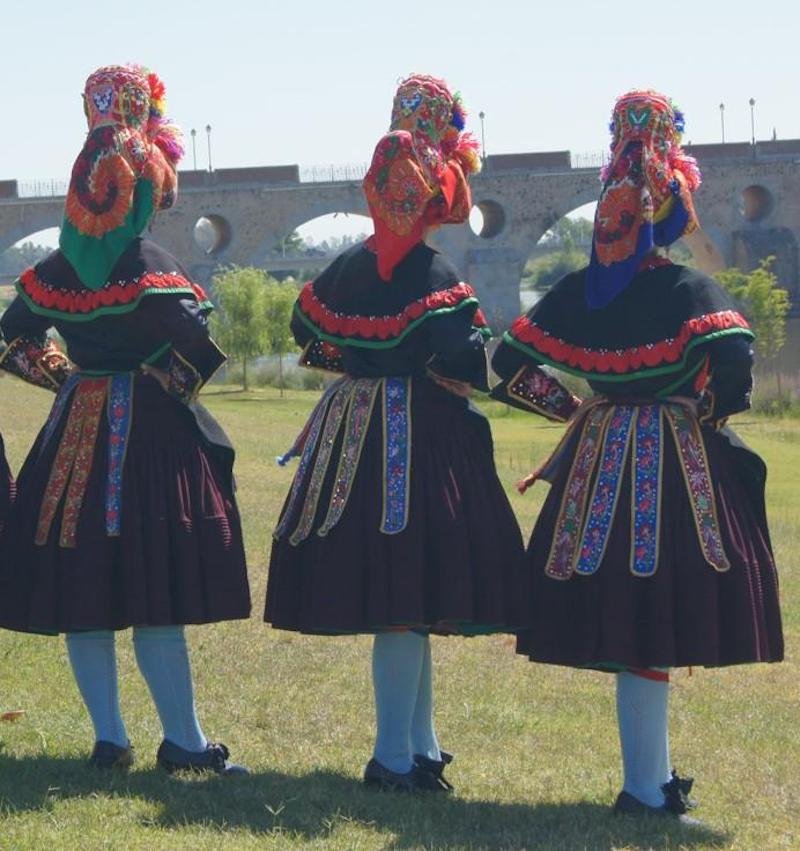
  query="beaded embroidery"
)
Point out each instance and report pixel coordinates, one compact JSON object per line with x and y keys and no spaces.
{"x":333,"y":423}
{"x":541,"y":393}
{"x":697,"y":475}
{"x":320,"y":354}
{"x":362,"y":401}
{"x":57,"y":411}
{"x":49,"y":299}
{"x":73,"y":462}
{"x":183,"y":380}
{"x":307,"y":444}
{"x":118,"y":411}
{"x":666,"y":355}
{"x":603,"y":503}
{"x":418,"y":175}
{"x":383,"y":331}
{"x":124,"y":173}
{"x":40,"y":363}
{"x":396,"y":454}
{"x":352,"y":401}
{"x":561,"y":560}
{"x":646,"y":475}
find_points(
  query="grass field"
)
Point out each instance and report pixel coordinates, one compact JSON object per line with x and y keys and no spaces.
{"x":537,"y":762}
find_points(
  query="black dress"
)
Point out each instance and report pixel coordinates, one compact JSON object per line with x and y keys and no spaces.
{"x":652,"y":547}
{"x":125,"y":513}
{"x":6,"y":488}
{"x":396,"y":516}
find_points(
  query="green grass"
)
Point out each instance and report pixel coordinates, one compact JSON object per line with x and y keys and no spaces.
{"x":537,"y":761}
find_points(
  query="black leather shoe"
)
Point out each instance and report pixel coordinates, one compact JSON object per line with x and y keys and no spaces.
{"x":109,"y":755}
{"x":378,"y":776}
{"x":214,"y":758}
{"x":436,"y":767}
{"x":627,"y":805}
{"x":680,"y":787}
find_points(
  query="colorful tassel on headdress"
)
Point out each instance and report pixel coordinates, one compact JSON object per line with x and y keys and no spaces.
{"x":160,"y":129}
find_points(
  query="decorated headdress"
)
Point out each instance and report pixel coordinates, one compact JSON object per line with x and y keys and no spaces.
{"x":418,"y":175}
{"x":124,"y":173}
{"x":646,"y":199}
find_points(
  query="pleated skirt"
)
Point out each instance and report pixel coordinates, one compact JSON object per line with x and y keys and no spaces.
{"x":454,"y":564}
{"x":688,"y":611}
{"x":175,"y":553}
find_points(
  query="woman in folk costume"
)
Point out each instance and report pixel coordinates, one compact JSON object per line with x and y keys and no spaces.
{"x":652,"y":549}
{"x":396,"y":523}
{"x":125,"y":514}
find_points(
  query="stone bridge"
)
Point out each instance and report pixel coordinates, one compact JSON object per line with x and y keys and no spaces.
{"x":749,"y":205}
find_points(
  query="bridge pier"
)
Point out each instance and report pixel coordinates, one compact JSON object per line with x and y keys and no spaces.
{"x":495,"y":273}
{"x":749,"y":206}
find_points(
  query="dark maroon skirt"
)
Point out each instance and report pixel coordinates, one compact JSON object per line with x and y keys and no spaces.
{"x":457,"y":566}
{"x":6,"y":488}
{"x":687,"y":613}
{"x":178,"y":557}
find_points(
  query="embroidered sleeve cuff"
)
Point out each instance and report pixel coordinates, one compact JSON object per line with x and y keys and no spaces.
{"x":186,"y":371}
{"x":532,"y":389}
{"x":319,"y":354}
{"x":183,"y":380}
{"x":40,"y":363}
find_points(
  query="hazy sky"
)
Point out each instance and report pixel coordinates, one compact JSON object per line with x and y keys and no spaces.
{"x":312,"y":82}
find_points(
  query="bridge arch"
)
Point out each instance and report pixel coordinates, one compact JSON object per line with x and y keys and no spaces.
{"x":30,"y":226}
{"x":264,"y":205}
{"x":312,"y":244}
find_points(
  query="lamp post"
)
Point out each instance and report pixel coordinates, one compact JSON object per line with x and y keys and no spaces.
{"x":722,"y":120}
{"x":193,"y":134}
{"x":482,"y":116}
{"x":208,"y":135}
{"x":753,"y":122}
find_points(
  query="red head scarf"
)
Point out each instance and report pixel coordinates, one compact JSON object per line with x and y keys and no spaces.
{"x":418,"y":176}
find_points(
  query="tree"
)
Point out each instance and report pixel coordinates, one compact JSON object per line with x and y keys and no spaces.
{"x":764,"y":304}
{"x":279,"y":302}
{"x":569,"y":233}
{"x":16,"y":259}
{"x":291,"y":245}
{"x":563,"y":248}
{"x":543,"y":272}
{"x":240,"y":325}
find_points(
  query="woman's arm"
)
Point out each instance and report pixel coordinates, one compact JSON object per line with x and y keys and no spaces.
{"x":524,"y":384}
{"x":188,"y":357}
{"x":727,"y":378}
{"x":28,"y":352}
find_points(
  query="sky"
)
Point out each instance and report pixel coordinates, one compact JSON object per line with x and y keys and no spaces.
{"x":312,"y":82}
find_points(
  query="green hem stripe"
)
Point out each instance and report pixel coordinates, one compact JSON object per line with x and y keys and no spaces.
{"x":112,"y":309}
{"x":648,"y":372}
{"x":673,"y":386}
{"x":381,"y":344}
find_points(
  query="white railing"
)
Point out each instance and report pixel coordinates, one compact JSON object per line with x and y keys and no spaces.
{"x":333,"y":173}
{"x":41,"y":188}
{"x":589,"y":159}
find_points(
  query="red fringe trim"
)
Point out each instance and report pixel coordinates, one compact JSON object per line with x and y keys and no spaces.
{"x":623,"y":360}
{"x":383,"y":327}
{"x":650,"y":674}
{"x":111,"y":295}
